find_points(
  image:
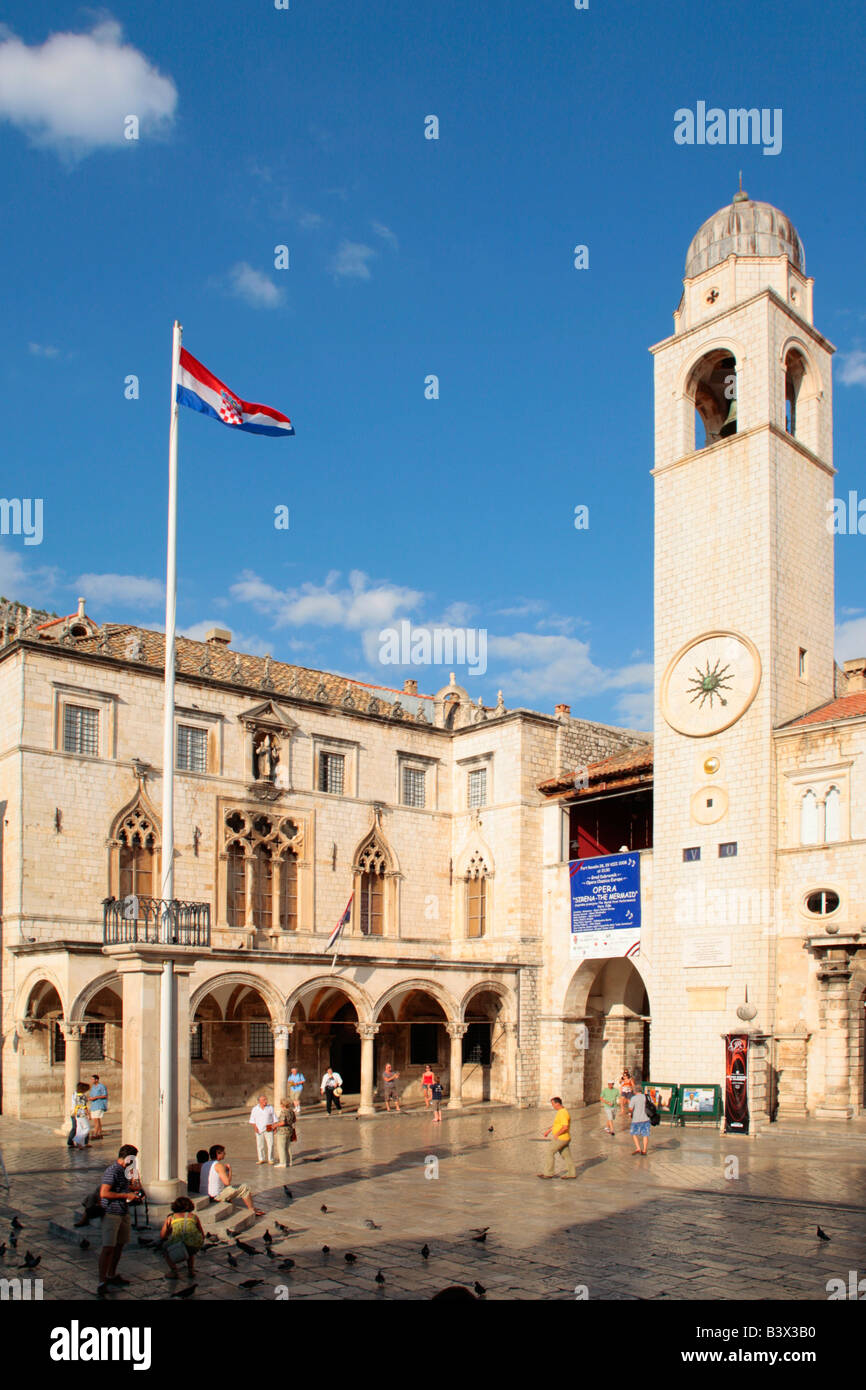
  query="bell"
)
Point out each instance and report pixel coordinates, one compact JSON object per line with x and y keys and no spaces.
{"x":730,"y":425}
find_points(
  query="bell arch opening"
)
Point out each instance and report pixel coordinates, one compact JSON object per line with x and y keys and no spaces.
{"x":712,"y":392}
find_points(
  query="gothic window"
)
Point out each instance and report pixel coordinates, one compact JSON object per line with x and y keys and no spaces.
{"x":261,"y":871}
{"x":832,"y":815}
{"x":371,"y":914}
{"x":476,"y":896}
{"x":809,"y":818}
{"x":138,"y":856}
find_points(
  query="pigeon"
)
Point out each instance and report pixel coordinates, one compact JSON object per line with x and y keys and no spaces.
{"x":425,"y":1250}
{"x":822,"y":1235}
{"x":31,"y":1261}
{"x":326,"y":1249}
{"x":232,"y":1261}
{"x":184,"y":1293}
{"x":247,"y":1249}
{"x":481,"y":1239}
{"x":16,"y":1224}
{"x":480,"y":1289}
{"x":287,"y":1192}
{"x":481,"y":1230}
{"x":268,"y":1238}
{"x":349,"y":1257}
{"x":13,"y":1241}
{"x":371,"y":1225}
{"x":250,"y":1283}
{"x":323,"y":1207}
{"x":286,"y":1264}
{"x":380,"y":1278}
{"x":489,"y":1129}
{"x":84,"y":1243}
{"x":287,"y":1230}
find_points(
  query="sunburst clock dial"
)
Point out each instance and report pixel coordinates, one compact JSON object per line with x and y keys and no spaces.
{"x":710,"y":683}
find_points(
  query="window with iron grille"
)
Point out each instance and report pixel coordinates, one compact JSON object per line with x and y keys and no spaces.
{"x":92,"y":1043}
{"x":261,"y":1040}
{"x":413,"y":787}
{"x":195,"y":1043}
{"x":191,"y":749}
{"x":331,"y":773}
{"x":477,"y":787}
{"x":80,"y":730}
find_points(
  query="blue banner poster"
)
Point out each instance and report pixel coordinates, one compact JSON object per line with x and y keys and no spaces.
{"x":605,"y":906}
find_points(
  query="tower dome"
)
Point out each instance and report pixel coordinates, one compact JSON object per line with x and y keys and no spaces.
{"x":744,"y":228}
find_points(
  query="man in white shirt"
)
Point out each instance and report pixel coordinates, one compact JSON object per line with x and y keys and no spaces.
{"x":216,"y":1180}
{"x":332,"y":1088}
{"x":264,"y":1119}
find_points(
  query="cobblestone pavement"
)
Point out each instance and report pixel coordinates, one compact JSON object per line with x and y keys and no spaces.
{"x":668,"y":1226}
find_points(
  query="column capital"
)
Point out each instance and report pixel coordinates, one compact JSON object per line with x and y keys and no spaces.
{"x":282,"y":1033}
{"x":456,"y":1030}
{"x":72,"y":1032}
{"x":367,"y":1030}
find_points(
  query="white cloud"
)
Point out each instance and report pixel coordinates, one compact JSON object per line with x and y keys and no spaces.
{"x":851,"y":639}
{"x":43,"y":350}
{"x":358,"y":604}
{"x":852,"y":368}
{"x":73,"y":92}
{"x":112,"y":590}
{"x":386,"y":234}
{"x":253,"y":287}
{"x":636,"y":711}
{"x":350,"y":262}
{"x":310,"y":221}
{"x":558,"y":666}
{"x":27,"y":584}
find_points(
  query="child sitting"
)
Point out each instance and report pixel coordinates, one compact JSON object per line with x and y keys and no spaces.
{"x":182,"y":1236}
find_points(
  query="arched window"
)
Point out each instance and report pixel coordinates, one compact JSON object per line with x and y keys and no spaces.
{"x":795,"y":371}
{"x":135,"y":857}
{"x":713,"y":388}
{"x":261,"y":871}
{"x":832,"y":815}
{"x":809,"y":818}
{"x":476,"y":897}
{"x":236,"y":904}
{"x":263,"y":887}
{"x":371,"y":915}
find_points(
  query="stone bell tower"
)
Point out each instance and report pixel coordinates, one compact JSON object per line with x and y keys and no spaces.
{"x":743,"y":615}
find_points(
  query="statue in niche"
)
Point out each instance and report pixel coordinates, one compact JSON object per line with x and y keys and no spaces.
{"x":266,"y":757}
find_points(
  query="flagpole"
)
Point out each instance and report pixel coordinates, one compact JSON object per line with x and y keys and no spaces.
{"x":168,"y":1041}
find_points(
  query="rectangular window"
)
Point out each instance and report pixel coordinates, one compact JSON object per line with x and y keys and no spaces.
{"x":801,"y":664}
{"x":331,"y":773}
{"x":728,"y":850}
{"x":691,"y":855}
{"x":423,"y":1044}
{"x":80,"y":730}
{"x":476,"y":1044}
{"x":191,"y":749}
{"x":413,"y":787}
{"x":261,"y":1040}
{"x":92,"y":1043}
{"x":195,"y":1043}
{"x":477,"y":787}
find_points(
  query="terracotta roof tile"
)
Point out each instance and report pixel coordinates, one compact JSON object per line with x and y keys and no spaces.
{"x":620,"y":768}
{"x":846,"y":707}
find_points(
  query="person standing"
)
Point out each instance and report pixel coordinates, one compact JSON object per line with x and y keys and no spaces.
{"x":117,"y":1190}
{"x":264,"y":1119}
{"x":285,"y":1133}
{"x":626,"y":1090}
{"x":81,"y":1115}
{"x":609,"y":1097}
{"x":640,"y":1121}
{"x":296,"y":1089}
{"x":332,"y":1089}
{"x":389,"y":1086}
{"x":560,"y":1141}
{"x":98,"y":1105}
{"x":436,"y":1099}
{"x":426,"y":1084}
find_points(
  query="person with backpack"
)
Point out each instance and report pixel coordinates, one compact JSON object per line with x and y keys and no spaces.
{"x":640,"y":1119}
{"x":182,"y":1235}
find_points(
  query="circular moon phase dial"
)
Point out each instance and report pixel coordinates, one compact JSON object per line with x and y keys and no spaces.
{"x":710,"y":683}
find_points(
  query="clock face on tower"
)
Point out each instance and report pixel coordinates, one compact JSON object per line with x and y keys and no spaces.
{"x":710,"y":683}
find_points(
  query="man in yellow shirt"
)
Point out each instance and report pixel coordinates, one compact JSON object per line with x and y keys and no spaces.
{"x":560,"y":1140}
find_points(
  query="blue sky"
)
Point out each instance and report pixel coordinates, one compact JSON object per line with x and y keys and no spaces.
{"x":408,"y":257}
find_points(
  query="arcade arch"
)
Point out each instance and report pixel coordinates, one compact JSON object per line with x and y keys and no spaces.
{"x":605,"y":1027}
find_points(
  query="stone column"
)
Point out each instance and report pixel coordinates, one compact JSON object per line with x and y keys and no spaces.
{"x":834,"y":976}
{"x":456,"y":1032}
{"x":792,"y":1050}
{"x":73,"y":1033}
{"x":509,"y":1047}
{"x":282,"y":1036}
{"x":367,"y":1032}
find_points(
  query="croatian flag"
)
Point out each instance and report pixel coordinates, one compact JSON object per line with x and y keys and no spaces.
{"x":332,"y":939}
{"x":201,"y":390}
